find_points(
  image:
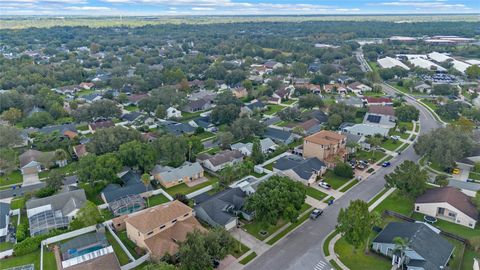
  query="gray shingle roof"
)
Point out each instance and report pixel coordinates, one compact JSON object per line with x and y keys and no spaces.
{"x":302,"y":167}
{"x":132,"y":184}
{"x":169,"y":174}
{"x":421,"y":239}
{"x":277,"y":134}
{"x":216,"y":206}
{"x":4,"y":211}
{"x":66,"y":202}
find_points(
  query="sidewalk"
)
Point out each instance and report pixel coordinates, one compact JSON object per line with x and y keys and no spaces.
{"x":379,"y":200}
{"x":331,"y":250}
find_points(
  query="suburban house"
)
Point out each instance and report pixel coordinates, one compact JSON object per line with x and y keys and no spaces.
{"x":67,"y":130}
{"x":54,"y":212}
{"x":32,"y":162}
{"x":240,"y":92}
{"x":223,"y":208}
{"x":161,"y":228}
{"x":297,"y":168}
{"x":325,"y":145}
{"x":279,"y":135}
{"x":80,"y":150}
{"x":88,"y":251}
{"x":448,"y":203}
{"x":4,"y":220}
{"x":377,"y":101}
{"x":169,"y":177}
{"x":93,"y":127}
{"x":380,"y":115}
{"x":220,"y":160}
{"x":135,"y":98}
{"x":198,"y":105}
{"x":250,"y":108}
{"x":177,"y":128}
{"x":173,"y":113}
{"x":366,"y":130}
{"x":90,"y":98}
{"x":426,"y":248}
{"x":358,"y":88}
{"x":422,"y":87}
{"x":351,"y":101}
{"x":132,"y":117}
{"x":266,"y":145}
{"x":69,"y":89}
{"x":204,"y":122}
{"x":131,"y":185}
{"x":310,"y":126}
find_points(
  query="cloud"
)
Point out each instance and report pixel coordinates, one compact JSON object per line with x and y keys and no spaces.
{"x":88,"y":8}
{"x":432,"y":4}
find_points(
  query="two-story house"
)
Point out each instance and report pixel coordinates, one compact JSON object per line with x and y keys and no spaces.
{"x":327,"y":146}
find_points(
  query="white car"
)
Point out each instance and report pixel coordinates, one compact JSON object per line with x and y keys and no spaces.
{"x":324,"y":185}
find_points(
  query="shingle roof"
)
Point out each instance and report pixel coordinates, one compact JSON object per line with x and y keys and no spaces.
{"x":102,"y":124}
{"x":385,"y":110}
{"x":277,"y":134}
{"x":131,"y":185}
{"x":302,"y":167}
{"x":65,"y":201}
{"x":421,"y":239}
{"x":452,"y":196}
{"x":216,"y":206}
{"x":4,"y":211}
{"x":169,"y":174}
{"x":29,"y":156}
{"x":223,"y":157}
{"x":151,"y":218}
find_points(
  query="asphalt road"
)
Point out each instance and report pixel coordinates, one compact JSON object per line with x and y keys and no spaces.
{"x":303,"y":249}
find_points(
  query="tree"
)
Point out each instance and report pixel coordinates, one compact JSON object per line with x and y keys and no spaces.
{"x":401,"y":246}
{"x":171,"y":150}
{"x":192,"y":254}
{"x":139,"y":154}
{"x":103,"y":168}
{"x":88,"y":215}
{"x":257,"y":155}
{"x":343,"y":169}
{"x":476,"y":200}
{"x":38,"y":120}
{"x":445,"y":145}
{"x":225,"y":139}
{"x":310,"y":101}
{"x":109,"y":139}
{"x":407,"y":113}
{"x":299,"y":69}
{"x":161,"y":112}
{"x":409,"y":179}
{"x":441,"y":180}
{"x":159,"y":266}
{"x":289,"y":114}
{"x":277,"y":198}
{"x":8,"y":161}
{"x":225,"y":114}
{"x":54,"y":180}
{"x":355,"y":223}
{"x":146,"y":182}
{"x":12,"y":115}
{"x":375,"y":142}
{"x":219,"y":243}
{"x":473,"y":72}
{"x":246,"y":127}
{"x":103,"y":108}
{"x":10,"y":136}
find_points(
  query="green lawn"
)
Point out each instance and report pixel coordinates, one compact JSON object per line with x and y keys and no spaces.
{"x":121,"y":255}
{"x":239,"y":249}
{"x":189,"y":116}
{"x":184,"y":189}
{"x":391,"y":144}
{"x":31,"y":258}
{"x":204,"y":135}
{"x":289,"y":102}
{"x":254,"y":228}
{"x":405,"y":146}
{"x":357,"y":259}
{"x":248,"y":258}
{"x":273,"y":109}
{"x":335,"y":265}
{"x":17,"y":203}
{"x":5,"y":246}
{"x":407,"y":125}
{"x":157,"y":199}
{"x":396,"y":202}
{"x":131,"y":108}
{"x":349,"y":186}
{"x":474,"y":175}
{"x":401,"y":135}
{"x":456,"y":260}
{"x":128,"y":243}
{"x":367,"y":155}
{"x":334,"y":180}
{"x":269,"y":166}
{"x":93,"y":192}
{"x":14,"y":177}
{"x":315,"y":193}
{"x":468,"y":256}
{"x":325,"y":243}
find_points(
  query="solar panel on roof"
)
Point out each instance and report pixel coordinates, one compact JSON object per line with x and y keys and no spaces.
{"x":374,"y":118}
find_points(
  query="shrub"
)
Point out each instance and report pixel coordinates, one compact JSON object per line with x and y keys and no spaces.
{"x":343,"y":169}
{"x":22,"y":232}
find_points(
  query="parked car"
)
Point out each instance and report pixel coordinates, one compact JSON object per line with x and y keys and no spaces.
{"x":395,"y":137}
{"x":324,"y":185}
{"x":386,"y":164}
{"x":316,"y":213}
{"x":456,"y":171}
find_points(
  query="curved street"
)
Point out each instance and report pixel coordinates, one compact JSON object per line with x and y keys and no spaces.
{"x":303,"y":248}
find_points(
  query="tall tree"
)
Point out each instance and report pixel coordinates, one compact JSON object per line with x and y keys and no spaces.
{"x":146,"y":183}
{"x":9,"y":136}
{"x":277,"y":198}
{"x":355,"y":223}
{"x":408,"y":178}
{"x":12,"y":115}
{"x":193,"y":254}
{"x":257,"y":155}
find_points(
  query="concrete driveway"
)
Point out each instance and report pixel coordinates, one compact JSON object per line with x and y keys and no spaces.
{"x":464,"y":172}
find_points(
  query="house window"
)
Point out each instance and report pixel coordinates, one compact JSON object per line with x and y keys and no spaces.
{"x":175,"y":220}
{"x":161,"y":227}
{"x":149,"y":233}
{"x":470,"y":225}
{"x":186,"y":215}
{"x":418,"y":208}
{"x":138,"y":233}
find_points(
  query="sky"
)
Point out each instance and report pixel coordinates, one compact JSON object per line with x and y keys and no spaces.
{"x":234,"y":7}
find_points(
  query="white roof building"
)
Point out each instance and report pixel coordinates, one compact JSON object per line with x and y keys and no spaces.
{"x":438,"y":57}
{"x":389,"y":62}
{"x":473,"y":61}
{"x":426,"y":64}
{"x":460,"y":66}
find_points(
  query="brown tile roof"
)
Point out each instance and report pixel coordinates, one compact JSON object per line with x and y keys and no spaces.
{"x":154,"y":217}
{"x":452,"y":196}
{"x":225,"y":156}
{"x":378,"y":100}
{"x":80,"y":150}
{"x":325,"y":137}
{"x":105,"y":262}
{"x":70,"y":134}
{"x":385,"y":110}
{"x":102,"y":124}
{"x":168,"y":240}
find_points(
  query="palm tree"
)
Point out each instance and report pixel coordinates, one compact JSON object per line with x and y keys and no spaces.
{"x":146,"y":182}
{"x":374,"y":141}
{"x":375,"y":220}
{"x":401,"y":245}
